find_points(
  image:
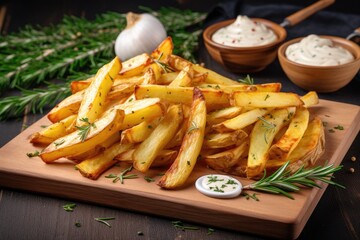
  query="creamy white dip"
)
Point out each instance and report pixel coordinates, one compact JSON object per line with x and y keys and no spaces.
{"x":317,"y":51}
{"x":244,"y":32}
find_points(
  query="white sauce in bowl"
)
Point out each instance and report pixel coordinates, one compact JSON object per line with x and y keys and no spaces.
{"x":244,"y":32}
{"x":218,"y":186}
{"x":317,"y":51}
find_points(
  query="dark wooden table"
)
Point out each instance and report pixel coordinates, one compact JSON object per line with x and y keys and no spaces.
{"x":25,"y":215}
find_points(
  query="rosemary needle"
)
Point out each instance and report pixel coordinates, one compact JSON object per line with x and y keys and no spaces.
{"x":104,"y":220}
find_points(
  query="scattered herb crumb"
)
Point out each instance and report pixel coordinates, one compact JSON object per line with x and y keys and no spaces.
{"x":104,"y":220}
{"x":210,"y":231}
{"x":250,"y":196}
{"x":331,"y":130}
{"x":339,"y":127}
{"x":77,"y":224}
{"x":149,"y":179}
{"x":34,"y":154}
{"x":69,"y":207}
{"x":180,"y":225}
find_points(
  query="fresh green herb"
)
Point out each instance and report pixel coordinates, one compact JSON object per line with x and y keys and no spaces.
{"x":104,"y":220}
{"x":180,"y":225}
{"x":59,"y":143}
{"x":192,"y":127}
{"x":214,"y":178}
{"x":247,"y":80}
{"x":85,"y":129}
{"x":34,"y":154}
{"x":149,"y":179}
{"x":69,"y":207}
{"x":231,"y":182}
{"x":331,"y":130}
{"x":283,"y":182}
{"x":123,"y":175}
{"x":250,"y":196}
{"x":210,"y":231}
{"x":268,"y":127}
{"x":165,"y":67}
{"x":339,"y":127}
{"x":266,"y":97}
{"x":217,"y":189}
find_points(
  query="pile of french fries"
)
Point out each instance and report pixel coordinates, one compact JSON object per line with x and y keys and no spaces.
{"x":160,"y":110}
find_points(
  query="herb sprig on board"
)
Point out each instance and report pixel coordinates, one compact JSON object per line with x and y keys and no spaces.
{"x":72,"y":50}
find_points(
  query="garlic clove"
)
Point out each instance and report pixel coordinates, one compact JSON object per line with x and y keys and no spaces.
{"x":143,"y":34}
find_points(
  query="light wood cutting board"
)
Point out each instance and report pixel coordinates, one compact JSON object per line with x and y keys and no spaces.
{"x":273,"y":215}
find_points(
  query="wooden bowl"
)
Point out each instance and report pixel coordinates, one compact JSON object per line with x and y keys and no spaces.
{"x":321,"y":78}
{"x":243,"y":59}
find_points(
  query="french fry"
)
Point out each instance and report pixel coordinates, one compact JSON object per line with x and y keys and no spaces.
{"x":74,"y":143}
{"x":93,"y":167}
{"x":77,"y":86}
{"x":95,"y":95}
{"x":167,"y":78}
{"x":309,"y":149}
{"x":162,"y":134}
{"x":135,"y":66}
{"x":190,"y":148}
{"x":241,"y":121}
{"x":223,"y":140}
{"x":178,"y":63}
{"x":183,"y":79}
{"x":164,"y":50}
{"x":261,"y":138}
{"x":221,"y":115}
{"x":215,"y":99}
{"x":228,"y":158}
{"x":67,"y":107}
{"x":140,"y":132}
{"x":283,"y":147}
{"x":266,"y":99}
{"x":310,"y":99}
{"x":213,"y":77}
{"x":266,"y":87}
{"x":53,"y":132}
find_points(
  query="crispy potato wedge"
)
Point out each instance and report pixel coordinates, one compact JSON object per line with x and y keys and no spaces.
{"x":77,"y":86}
{"x":261,"y":138}
{"x":178,"y":63}
{"x":223,"y":140}
{"x":266,"y":99}
{"x":266,"y":87}
{"x":214,"y":98}
{"x":167,"y":78}
{"x":241,"y":121}
{"x":283,"y":147}
{"x":53,"y":132}
{"x":95,"y":95}
{"x":135,"y":66}
{"x":140,"y":132}
{"x":99,"y":148}
{"x":67,"y":107}
{"x":227,"y":159}
{"x":93,"y":167}
{"x":147,"y":151}
{"x":307,"y":152}
{"x":164,"y":50}
{"x":213,"y":77}
{"x":221,"y":115}
{"x":183,"y":79}
{"x":74,"y":143}
{"x":190,"y":148}
{"x":310,"y":99}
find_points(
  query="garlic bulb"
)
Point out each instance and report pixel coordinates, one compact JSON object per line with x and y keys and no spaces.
{"x":143,"y":34}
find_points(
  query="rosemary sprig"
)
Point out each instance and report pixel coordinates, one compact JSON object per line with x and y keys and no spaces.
{"x":69,"y":207}
{"x":283,"y":182}
{"x":165,"y":67}
{"x":268,"y":127}
{"x":85,"y":129}
{"x":104,"y":220}
{"x":247,"y":80}
{"x":180,"y":225}
{"x":123,"y":175}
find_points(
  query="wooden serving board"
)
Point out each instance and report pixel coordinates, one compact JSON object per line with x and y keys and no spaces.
{"x":274,"y":215}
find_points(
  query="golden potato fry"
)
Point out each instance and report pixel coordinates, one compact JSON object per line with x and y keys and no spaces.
{"x":227,"y":159}
{"x":77,"y":86}
{"x":223,"y":140}
{"x":84,"y":140}
{"x":221,"y":115}
{"x":140,"y":132}
{"x":67,"y":107}
{"x":298,"y":124}
{"x":261,"y":138}
{"x":214,"y":98}
{"x":147,"y":151}
{"x":241,"y":121}
{"x":310,"y":99}
{"x":95,"y":95}
{"x":266,"y":99}
{"x":149,"y":77}
{"x":178,"y":63}
{"x":164,"y":158}
{"x":167,"y":78}
{"x":93,"y":167}
{"x":115,"y":138}
{"x":135,"y":66}
{"x":177,"y":139}
{"x":266,"y":87}
{"x":53,"y":132}
{"x":183,"y":79}
{"x":164,"y":50}
{"x":309,"y":149}
{"x":213,"y":77}
{"x":190,"y":148}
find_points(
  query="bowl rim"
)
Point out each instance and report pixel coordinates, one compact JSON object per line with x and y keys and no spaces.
{"x":210,"y":30}
{"x":355,"y":51}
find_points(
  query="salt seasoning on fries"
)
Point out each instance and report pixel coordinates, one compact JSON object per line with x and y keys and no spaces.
{"x":160,"y":110}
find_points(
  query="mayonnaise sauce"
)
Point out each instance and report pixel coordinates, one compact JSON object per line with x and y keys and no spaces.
{"x":316,"y":51}
{"x":244,"y":32}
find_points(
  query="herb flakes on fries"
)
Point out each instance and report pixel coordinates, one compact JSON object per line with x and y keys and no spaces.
{"x":160,"y":110}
